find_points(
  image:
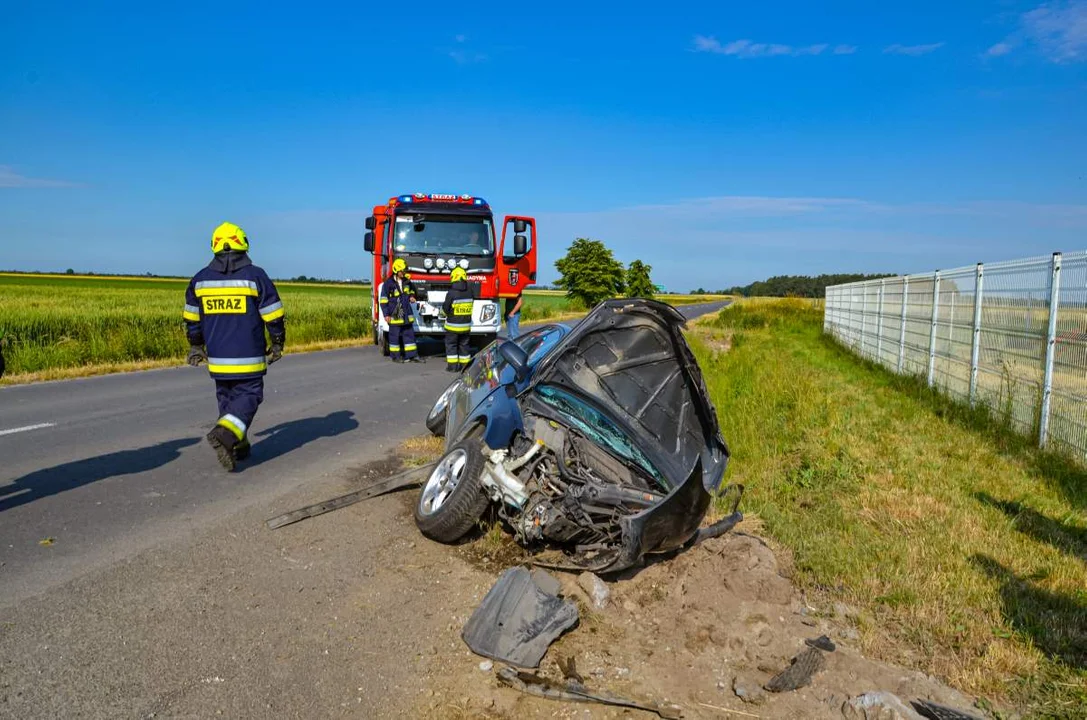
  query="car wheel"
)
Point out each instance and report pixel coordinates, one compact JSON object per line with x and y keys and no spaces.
{"x":452,"y":500}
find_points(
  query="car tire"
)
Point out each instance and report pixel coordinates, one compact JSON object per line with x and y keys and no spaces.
{"x":452,"y":499}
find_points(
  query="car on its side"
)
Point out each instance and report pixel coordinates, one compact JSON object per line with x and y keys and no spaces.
{"x":599,"y":436}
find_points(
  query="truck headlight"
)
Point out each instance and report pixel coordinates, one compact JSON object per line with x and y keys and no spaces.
{"x":488,"y":312}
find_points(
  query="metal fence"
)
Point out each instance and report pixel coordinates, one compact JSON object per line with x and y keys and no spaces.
{"x":1011,"y":336}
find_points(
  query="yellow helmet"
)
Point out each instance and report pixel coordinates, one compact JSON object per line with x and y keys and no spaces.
{"x":458,"y":273}
{"x":229,"y":236}
{"x":399,"y":265}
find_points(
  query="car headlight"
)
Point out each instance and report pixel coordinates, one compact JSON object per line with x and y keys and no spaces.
{"x":428,"y":263}
{"x":440,"y":262}
{"x":464,"y":263}
{"x":488,"y":312}
{"x":443,"y":399}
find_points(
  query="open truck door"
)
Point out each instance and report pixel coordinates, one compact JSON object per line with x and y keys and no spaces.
{"x":517,"y":256}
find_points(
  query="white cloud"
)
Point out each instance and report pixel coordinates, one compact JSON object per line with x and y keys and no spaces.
{"x":748,"y":49}
{"x":845,"y":49}
{"x":1001,"y":48}
{"x":460,"y":38}
{"x":1059,"y":29}
{"x":912,"y":50}
{"x":11,"y":179}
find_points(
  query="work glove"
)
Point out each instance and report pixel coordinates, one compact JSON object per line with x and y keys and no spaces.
{"x":197,"y":355}
{"x":274,"y":353}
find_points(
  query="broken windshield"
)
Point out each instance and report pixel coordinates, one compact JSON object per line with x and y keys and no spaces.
{"x":598,"y":427}
{"x":444,"y":234}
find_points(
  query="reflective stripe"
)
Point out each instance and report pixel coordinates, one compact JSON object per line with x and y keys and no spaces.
{"x":384,"y":300}
{"x":410,"y":348}
{"x":234,"y":424}
{"x":465,"y":360}
{"x":458,"y":329}
{"x":226,"y":287}
{"x":191,"y":313}
{"x":236,"y":369}
{"x":395,"y":322}
{"x":211,"y":284}
{"x":192,"y":309}
{"x":236,"y":366}
{"x":452,"y":358}
{"x":272,"y":312}
{"x":236,"y":361}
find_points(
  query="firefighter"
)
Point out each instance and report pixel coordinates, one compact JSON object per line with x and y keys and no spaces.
{"x":397,"y":295}
{"x":458,"y":321}
{"x":228,"y":304}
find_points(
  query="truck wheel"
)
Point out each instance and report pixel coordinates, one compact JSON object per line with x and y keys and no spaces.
{"x":385,"y":344}
{"x":377,"y":338}
{"x":452,"y":500}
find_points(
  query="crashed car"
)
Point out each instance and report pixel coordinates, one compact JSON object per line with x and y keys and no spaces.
{"x":598,"y":436}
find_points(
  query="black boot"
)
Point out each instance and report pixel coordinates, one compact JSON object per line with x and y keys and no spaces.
{"x":223,"y":441}
{"x":241,"y":450}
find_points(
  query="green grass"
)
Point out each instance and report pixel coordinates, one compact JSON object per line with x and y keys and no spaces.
{"x":963,"y":547}
{"x":57,"y":322}
{"x":52,"y":324}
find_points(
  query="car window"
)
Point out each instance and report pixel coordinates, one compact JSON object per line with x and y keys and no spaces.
{"x":537,"y":342}
{"x":596,"y":426}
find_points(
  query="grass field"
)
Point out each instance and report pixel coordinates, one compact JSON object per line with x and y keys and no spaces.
{"x":59,"y":326}
{"x":960,"y":547}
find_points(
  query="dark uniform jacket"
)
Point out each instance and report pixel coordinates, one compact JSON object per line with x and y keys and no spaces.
{"x":458,"y":308}
{"x":227,"y":306}
{"x":396,"y":303}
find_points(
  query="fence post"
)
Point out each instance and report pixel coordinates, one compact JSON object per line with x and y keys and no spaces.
{"x":975,"y":348}
{"x":902,"y":327}
{"x":864,"y":317}
{"x":879,"y":323}
{"x":1051,"y":346}
{"x":932,"y":330}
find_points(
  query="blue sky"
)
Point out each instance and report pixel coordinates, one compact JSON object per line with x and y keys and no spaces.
{"x":720,"y":142}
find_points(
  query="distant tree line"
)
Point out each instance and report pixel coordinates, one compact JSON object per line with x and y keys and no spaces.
{"x":795,"y":285}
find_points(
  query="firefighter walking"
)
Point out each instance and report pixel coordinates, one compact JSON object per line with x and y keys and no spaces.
{"x":458,"y":321}
{"x":397,"y":295}
{"x":228,"y":304}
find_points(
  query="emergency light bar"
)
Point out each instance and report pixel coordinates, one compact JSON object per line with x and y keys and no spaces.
{"x":443,"y":198}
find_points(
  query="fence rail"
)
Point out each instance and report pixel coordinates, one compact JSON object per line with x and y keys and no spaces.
{"x":1011,"y":336}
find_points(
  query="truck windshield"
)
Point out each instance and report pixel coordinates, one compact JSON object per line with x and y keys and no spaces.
{"x":443,"y":234}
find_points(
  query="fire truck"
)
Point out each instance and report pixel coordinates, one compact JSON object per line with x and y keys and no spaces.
{"x":435,"y":233}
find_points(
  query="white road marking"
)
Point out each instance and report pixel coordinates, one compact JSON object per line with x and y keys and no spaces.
{"x":39,"y":426}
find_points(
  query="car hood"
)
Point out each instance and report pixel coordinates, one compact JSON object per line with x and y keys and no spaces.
{"x":630,"y":358}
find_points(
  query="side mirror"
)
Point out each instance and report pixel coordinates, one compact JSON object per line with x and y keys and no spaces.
{"x":520,"y":245}
{"x":519,"y":226}
{"x":516,"y":356}
{"x":370,"y":224}
{"x":368,"y":242}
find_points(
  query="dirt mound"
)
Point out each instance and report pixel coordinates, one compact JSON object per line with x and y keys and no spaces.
{"x":700,"y":629}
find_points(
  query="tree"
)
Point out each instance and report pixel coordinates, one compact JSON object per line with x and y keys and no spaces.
{"x":69,"y":271}
{"x":638,"y":282}
{"x":590,"y":273}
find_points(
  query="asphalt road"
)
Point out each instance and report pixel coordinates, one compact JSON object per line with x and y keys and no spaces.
{"x":94,"y":471}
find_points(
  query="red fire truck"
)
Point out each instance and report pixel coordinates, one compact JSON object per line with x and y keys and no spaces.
{"x":435,"y":233}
